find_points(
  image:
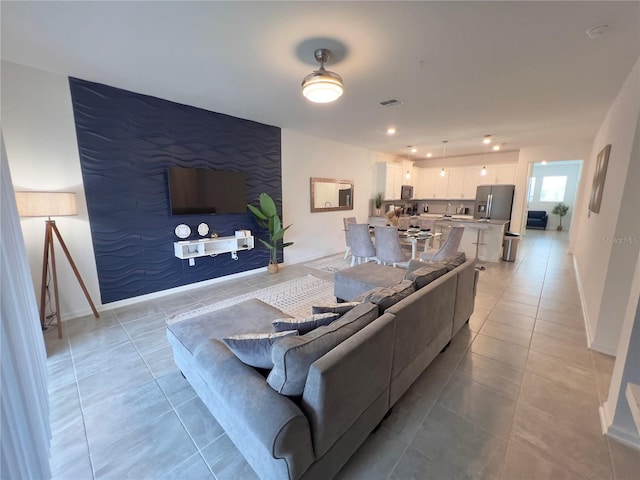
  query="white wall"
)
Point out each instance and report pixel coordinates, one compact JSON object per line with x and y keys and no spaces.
{"x":569,"y":170}
{"x":39,"y":131}
{"x":605,"y":256}
{"x":303,"y":157}
{"x":550,"y":153}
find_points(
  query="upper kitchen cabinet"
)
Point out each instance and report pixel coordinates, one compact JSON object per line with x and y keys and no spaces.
{"x":499,"y":174}
{"x":432,"y":184}
{"x":390,"y":180}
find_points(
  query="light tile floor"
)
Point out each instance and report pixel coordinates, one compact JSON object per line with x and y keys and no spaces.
{"x":515,"y":396}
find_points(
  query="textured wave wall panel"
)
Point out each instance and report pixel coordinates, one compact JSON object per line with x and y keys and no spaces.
{"x":127,"y":141}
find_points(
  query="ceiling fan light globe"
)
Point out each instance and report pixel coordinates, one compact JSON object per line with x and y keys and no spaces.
{"x":322,"y":86}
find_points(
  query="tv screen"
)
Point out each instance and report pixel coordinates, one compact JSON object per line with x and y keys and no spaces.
{"x":202,"y":190}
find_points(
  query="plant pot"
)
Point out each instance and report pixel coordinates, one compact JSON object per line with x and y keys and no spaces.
{"x":273,"y":268}
{"x":377,"y":212}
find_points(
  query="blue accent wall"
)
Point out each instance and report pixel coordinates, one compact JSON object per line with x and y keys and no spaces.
{"x":126,"y":142}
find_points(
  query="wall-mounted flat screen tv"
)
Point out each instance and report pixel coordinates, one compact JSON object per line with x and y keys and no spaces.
{"x":206,"y":191}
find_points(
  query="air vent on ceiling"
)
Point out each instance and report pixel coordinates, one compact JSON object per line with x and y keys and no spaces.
{"x":391,"y":102}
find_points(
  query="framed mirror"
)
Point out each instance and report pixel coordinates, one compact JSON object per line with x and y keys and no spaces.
{"x":330,"y":194}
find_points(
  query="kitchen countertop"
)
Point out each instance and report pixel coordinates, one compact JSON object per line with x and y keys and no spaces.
{"x":458,"y":218}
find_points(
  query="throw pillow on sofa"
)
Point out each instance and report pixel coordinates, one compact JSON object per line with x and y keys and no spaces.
{"x":339,"y":308}
{"x":423,"y":276}
{"x":386,"y":297}
{"x":292,"y":356}
{"x":304,"y":325}
{"x":255,"y":348}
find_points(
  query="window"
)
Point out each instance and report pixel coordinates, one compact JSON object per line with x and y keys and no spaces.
{"x":532,"y":187}
{"x":553,"y":188}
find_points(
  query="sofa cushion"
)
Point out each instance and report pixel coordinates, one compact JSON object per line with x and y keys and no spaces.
{"x":255,"y":348}
{"x":386,"y":297}
{"x":339,"y":308}
{"x":292,"y":356}
{"x":426,"y":274}
{"x":454,"y":260}
{"x":305,"y":324}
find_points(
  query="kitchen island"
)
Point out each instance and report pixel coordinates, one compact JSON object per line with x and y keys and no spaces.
{"x":483,"y":237}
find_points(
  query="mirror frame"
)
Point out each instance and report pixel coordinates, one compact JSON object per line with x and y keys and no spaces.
{"x":315,"y":180}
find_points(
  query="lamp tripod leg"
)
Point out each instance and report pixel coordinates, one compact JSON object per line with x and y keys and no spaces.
{"x":54,"y":274}
{"x":75,"y":270}
{"x":45,"y":270}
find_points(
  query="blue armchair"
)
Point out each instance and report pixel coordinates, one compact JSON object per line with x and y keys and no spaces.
{"x":537,"y":219}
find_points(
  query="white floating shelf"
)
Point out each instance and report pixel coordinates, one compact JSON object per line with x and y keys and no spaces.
{"x":212,"y":246}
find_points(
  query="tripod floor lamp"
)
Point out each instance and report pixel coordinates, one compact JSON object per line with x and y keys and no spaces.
{"x":52,"y":204}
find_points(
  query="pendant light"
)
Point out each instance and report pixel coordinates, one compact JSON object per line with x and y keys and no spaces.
{"x":483,"y":172}
{"x":322,"y":86}
{"x":444,"y":155}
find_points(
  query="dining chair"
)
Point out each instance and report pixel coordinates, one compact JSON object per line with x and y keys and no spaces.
{"x":347,"y":221}
{"x":448,"y":248}
{"x":388,"y":247}
{"x":361,"y":244}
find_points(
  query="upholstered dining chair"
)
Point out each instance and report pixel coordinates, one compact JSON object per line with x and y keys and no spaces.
{"x":448,"y":248}
{"x":361,"y":244}
{"x":347,"y":221}
{"x":388,"y":247}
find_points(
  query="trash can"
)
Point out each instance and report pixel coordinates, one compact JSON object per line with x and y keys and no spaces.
{"x":510,"y":246}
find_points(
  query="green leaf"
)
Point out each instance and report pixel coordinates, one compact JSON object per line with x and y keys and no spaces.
{"x":256,"y":212}
{"x":267,"y":205}
{"x":266,"y":244}
{"x":287,"y":244}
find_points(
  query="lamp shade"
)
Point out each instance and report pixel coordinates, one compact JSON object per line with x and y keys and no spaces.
{"x":46,"y":204}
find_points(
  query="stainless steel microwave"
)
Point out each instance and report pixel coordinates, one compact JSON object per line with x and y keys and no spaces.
{"x":406,"y":192}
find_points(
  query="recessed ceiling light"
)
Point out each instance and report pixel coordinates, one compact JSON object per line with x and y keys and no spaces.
{"x":487,"y":139}
{"x":496,"y":147}
{"x":414,"y":149}
{"x":391,"y":130}
{"x":429,"y":155}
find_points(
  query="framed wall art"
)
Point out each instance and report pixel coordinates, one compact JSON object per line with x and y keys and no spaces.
{"x":598,"y":179}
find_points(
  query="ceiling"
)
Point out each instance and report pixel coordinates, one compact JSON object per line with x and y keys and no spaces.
{"x":524,"y":72}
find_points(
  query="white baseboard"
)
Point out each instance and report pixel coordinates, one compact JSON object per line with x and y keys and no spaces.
{"x":593,"y":345}
{"x":183,"y":288}
{"x":626,"y":437}
{"x":583,"y":303}
{"x":151,"y":296}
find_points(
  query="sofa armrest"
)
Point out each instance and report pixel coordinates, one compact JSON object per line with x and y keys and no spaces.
{"x":268,"y":428}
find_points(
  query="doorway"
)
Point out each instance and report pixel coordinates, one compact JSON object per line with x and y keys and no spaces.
{"x":550,"y":183}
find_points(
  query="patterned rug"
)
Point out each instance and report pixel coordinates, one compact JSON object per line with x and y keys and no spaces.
{"x":330,"y":264}
{"x":294,"y":297}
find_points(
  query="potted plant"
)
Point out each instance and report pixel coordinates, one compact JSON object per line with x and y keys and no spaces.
{"x":378,"y":202}
{"x":561,"y":210}
{"x":267,"y":217}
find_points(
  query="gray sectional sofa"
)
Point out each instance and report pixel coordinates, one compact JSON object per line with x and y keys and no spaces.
{"x":337,"y":381}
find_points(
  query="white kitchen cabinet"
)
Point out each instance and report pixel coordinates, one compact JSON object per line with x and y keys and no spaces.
{"x":471,"y":182}
{"x":390,"y":180}
{"x":455,"y":187}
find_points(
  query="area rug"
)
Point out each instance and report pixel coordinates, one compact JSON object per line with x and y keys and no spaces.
{"x":333,"y":263}
{"x":294,"y":297}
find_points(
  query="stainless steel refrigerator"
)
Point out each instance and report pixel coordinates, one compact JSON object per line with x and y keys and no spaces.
{"x":494,"y":202}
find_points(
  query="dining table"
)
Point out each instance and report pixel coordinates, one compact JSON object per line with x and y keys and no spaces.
{"x":412,"y":236}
